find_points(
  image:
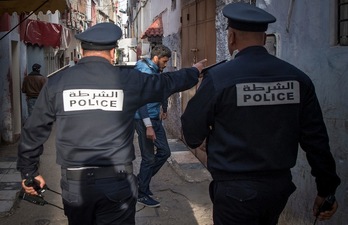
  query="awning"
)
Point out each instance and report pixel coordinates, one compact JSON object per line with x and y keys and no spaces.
{"x":42,"y":33}
{"x":155,"y":29}
{"x":28,"y":6}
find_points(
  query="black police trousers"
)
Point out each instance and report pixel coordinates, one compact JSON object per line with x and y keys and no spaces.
{"x":100,"y":201}
{"x":250,"y":201}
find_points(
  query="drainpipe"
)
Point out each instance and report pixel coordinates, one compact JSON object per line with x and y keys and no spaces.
{"x":291,"y":6}
{"x":142,"y":6}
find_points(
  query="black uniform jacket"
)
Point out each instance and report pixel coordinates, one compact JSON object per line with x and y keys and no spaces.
{"x":93,"y":104}
{"x":253,"y":112}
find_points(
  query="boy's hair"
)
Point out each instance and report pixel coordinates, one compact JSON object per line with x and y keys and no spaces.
{"x":160,"y":51}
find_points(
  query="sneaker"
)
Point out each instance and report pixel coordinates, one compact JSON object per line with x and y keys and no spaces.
{"x":148,"y":201}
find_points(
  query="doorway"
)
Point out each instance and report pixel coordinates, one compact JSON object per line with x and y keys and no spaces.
{"x":16,"y":90}
{"x":198,"y":37}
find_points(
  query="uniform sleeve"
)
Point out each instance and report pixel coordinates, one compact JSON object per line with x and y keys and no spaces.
{"x":197,"y":118}
{"x":142,"y":67}
{"x":35,"y":132}
{"x":314,"y":141}
{"x":154,"y":88}
{"x":143,"y":112}
{"x":165,"y":106}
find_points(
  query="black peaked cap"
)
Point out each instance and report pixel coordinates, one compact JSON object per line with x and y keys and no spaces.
{"x":102,"y":36}
{"x":246,"y":17}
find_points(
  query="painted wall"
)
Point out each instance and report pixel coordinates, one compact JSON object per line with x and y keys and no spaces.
{"x":12,"y":69}
{"x":36,"y":54}
{"x":221,"y":33}
{"x":170,"y":15}
{"x":307,"y":41}
{"x":5,"y":99}
{"x":172,"y":124}
{"x":147,"y":10}
{"x":172,"y":39}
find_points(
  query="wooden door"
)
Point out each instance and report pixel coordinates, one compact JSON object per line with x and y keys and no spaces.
{"x":198,"y":37}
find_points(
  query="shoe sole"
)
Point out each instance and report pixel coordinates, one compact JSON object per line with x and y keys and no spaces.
{"x":150,"y":206}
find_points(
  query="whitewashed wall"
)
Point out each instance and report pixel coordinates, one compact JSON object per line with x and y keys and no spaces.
{"x":307,"y":41}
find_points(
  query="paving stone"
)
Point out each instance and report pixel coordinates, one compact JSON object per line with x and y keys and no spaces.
{"x":15,"y":177}
{"x":10,"y":185}
{"x":8,"y":159}
{"x":6,"y":164}
{"x":8,"y":194}
{"x":8,"y":171}
{"x":5,"y":206}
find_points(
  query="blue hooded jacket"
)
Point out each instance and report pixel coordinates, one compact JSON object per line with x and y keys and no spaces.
{"x":151,"y":110}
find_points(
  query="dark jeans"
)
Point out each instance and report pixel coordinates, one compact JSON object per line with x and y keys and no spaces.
{"x":31,"y":104}
{"x":108,"y":201}
{"x":151,"y":162}
{"x":250,"y":202}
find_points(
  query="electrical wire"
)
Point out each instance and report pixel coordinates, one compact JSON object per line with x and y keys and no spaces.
{"x":47,"y":203}
{"x":53,"y":191}
{"x":23,"y":19}
{"x":315,"y":221}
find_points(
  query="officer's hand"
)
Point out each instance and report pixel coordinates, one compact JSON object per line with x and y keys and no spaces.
{"x":31,"y":190}
{"x":150,"y":133}
{"x":163,"y":116}
{"x":200,"y":65}
{"x":326,"y":214}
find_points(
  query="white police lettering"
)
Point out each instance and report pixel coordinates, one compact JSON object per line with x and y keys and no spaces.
{"x":273,"y":93}
{"x":90,"y":99}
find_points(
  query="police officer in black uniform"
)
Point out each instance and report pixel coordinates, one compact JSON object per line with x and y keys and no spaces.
{"x":253,"y":112}
{"x":93,"y":105}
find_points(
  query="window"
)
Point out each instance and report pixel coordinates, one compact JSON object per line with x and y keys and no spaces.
{"x":173,"y":5}
{"x":272,"y":44}
{"x":342,"y":22}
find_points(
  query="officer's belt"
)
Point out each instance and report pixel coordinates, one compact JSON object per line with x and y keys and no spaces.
{"x":119,"y":171}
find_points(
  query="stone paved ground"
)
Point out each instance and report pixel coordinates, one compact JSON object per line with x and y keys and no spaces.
{"x":181,"y":186}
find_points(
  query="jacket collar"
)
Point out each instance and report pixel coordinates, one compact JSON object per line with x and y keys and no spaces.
{"x":151,"y":64}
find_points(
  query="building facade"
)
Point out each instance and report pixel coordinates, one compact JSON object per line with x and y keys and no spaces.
{"x":35,"y":32}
